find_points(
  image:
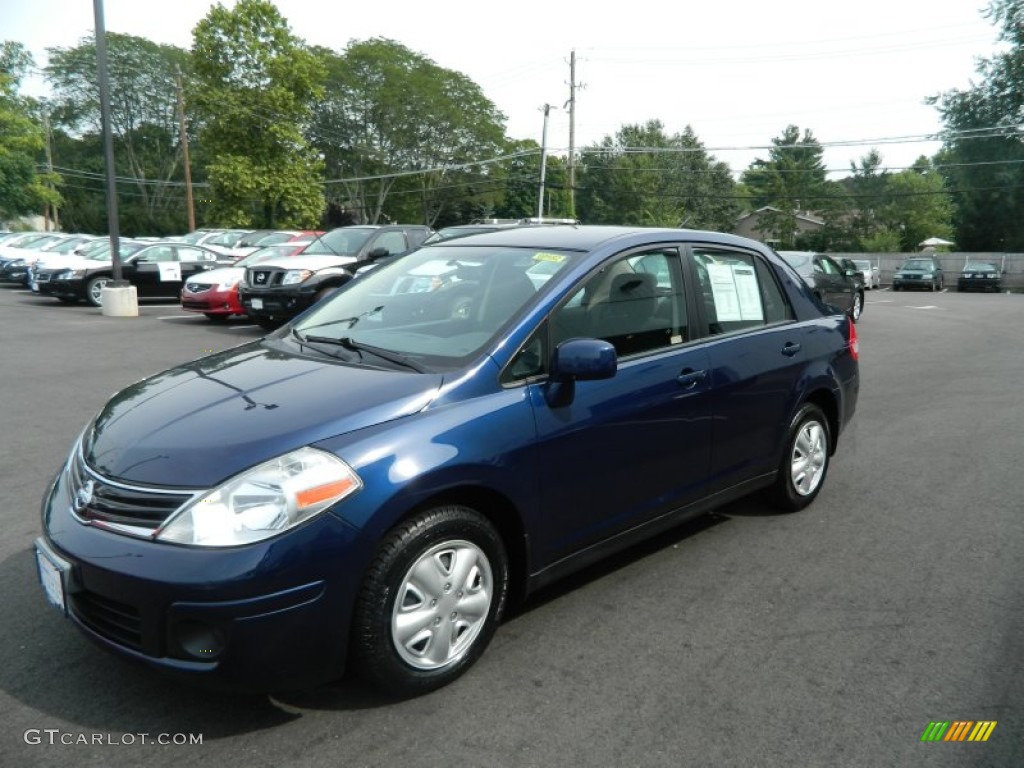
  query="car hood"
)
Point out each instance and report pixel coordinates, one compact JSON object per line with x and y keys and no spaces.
{"x":198,"y":424}
{"x":313,"y":263}
{"x":218,"y":276}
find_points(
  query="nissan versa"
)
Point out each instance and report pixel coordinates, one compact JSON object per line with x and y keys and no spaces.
{"x":396,"y":465}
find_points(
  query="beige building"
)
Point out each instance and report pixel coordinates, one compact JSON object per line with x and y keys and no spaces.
{"x":754,"y":225}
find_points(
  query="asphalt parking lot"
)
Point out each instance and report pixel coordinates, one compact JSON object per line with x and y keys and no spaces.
{"x":830,"y":637}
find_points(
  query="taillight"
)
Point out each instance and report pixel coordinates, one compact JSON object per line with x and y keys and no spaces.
{"x":852,"y":344}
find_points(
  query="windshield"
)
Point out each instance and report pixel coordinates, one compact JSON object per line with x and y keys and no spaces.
{"x":438,"y":306}
{"x":344,"y":241}
{"x":918,"y":264}
{"x":799,"y":261}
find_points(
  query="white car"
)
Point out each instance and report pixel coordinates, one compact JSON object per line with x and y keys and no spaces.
{"x":872,"y":274}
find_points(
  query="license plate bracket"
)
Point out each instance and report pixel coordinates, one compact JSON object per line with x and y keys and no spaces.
{"x":53,"y":576}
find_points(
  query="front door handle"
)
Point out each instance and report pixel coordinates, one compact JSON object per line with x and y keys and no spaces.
{"x":790,"y":349}
{"x":690,"y":378}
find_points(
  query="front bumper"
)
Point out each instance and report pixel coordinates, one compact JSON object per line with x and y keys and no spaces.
{"x":966,"y":284}
{"x":277,"y":303}
{"x":259,"y":618}
{"x":212,"y":302}
{"x":914,"y":283}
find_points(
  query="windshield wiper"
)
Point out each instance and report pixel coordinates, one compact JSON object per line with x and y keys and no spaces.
{"x":350,"y":320}
{"x":347,"y":342}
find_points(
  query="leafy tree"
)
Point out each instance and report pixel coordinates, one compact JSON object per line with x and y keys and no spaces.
{"x":791,"y":180}
{"x":402,"y":134}
{"x":23,"y":188}
{"x":643,"y":176}
{"x":983,"y":150}
{"x":254,"y":84}
{"x":919,"y":205}
{"x":143,"y":124}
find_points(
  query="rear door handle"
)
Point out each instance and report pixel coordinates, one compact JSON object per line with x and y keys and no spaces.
{"x":790,"y":349}
{"x":690,"y":378}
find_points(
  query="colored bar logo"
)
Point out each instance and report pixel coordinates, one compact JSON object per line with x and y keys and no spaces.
{"x":958,"y":730}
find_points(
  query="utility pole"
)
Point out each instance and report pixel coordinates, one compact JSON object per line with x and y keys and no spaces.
{"x":572,"y":134}
{"x":543,"y":160}
{"x":49,"y":170}
{"x":183,"y":135}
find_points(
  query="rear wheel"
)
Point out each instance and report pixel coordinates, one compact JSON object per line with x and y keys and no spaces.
{"x":858,"y":306}
{"x":805,"y":461}
{"x":430,"y":602}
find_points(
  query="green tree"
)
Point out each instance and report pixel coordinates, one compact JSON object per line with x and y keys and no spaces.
{"x":792,"y":180}
{"x":23,"y":188}
{"x":983,"y":149}
{"x":402,"y":136}
{"x":253,"y":85}
{"x":919,"y":206}
{"x":143,"y":122}
{"x":643,"y":176}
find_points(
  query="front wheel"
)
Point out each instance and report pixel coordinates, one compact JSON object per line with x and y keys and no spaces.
{"x":215,"y":317}
{"x":858,"y":306}
{"x":94,"y":290}
{"x":804,"y":462}
{"x":430,"y":602}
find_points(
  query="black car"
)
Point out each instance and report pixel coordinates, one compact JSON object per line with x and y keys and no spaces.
{"x":919,"y":274}
{"x":830,"y":282}
{"x":157,"y":271}
{"x":979,"y":276}
{"x":274,"y":292}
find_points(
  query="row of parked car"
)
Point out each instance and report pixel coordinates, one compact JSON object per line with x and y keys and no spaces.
{"x":213,"y":272}
{"x":273,"y":275}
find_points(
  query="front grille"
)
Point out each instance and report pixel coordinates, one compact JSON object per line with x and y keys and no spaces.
{"x":113,"y":620}
{"x":198,"y":287}
{"x":263,"y":278}
{"x":128,"y":509}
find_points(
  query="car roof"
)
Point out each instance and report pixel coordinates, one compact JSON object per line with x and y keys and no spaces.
{"x":586,"y":237}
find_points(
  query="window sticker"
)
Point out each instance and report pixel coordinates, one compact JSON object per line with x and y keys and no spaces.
{"x":556,"y":258}
{"x":734,"y":288}
{"x":170,"y":272}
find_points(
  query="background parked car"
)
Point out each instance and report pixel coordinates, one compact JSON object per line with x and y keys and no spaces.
{"x":157,"y":271}
{"x":918,"y":274}
{"x":979,"y":276}
{"x":369,"y":241}
{"x":215,"y":293}
{"x":870,"y":273}
{"x":828,"y":280}
{"x":64,"y":281}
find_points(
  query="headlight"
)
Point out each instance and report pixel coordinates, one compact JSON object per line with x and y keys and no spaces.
{"x":75,"y":274}
{"x":228,"y":285}
{"x":293,"y":276}
{"x":16,"y":263}
{"x":264,"y":501}
{"x":899,"y":275}
{"x":927,"y":276}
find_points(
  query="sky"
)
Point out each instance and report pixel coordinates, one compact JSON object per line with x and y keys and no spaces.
{"x":855,"y":74}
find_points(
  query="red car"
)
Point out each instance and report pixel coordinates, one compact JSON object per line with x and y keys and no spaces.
{"x":215,"y":293}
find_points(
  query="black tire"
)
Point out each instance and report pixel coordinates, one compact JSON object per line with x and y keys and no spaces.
{"x":459,"y":554}
{"x":807,"y":445}
{"x":895,"y":288}
{"x":858,"y":307}
{"x":94,"y":289}
{"x":213,"y":317}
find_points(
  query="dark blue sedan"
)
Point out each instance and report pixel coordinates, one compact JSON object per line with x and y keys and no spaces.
{"x":393,"y":467}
